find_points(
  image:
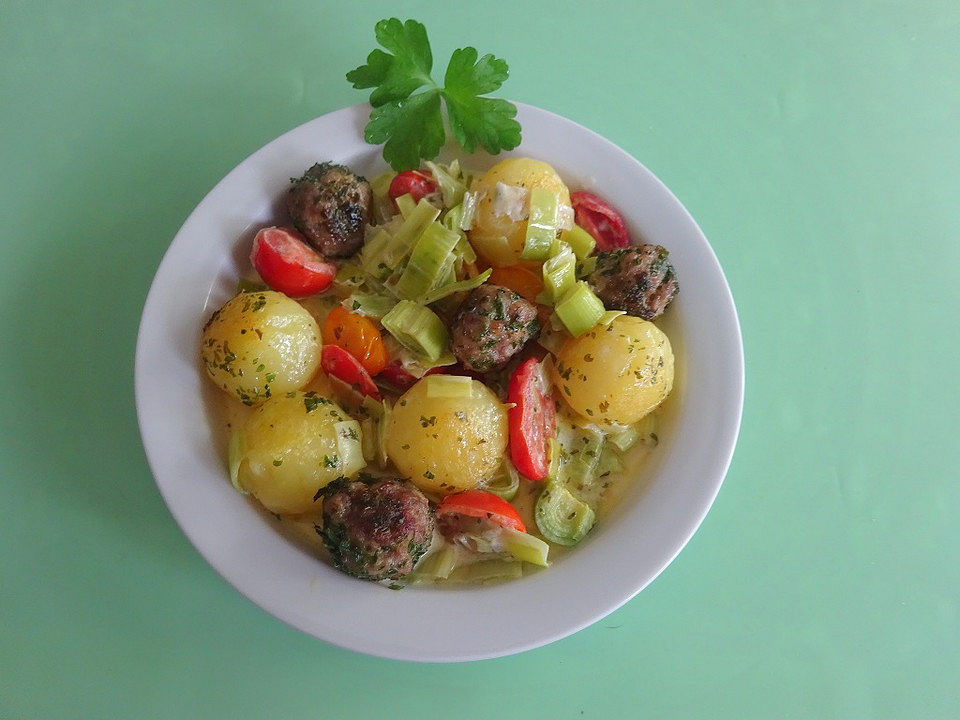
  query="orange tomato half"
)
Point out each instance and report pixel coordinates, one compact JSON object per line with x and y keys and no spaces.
{"x":522,"y":280}
{"x":358,"y":335}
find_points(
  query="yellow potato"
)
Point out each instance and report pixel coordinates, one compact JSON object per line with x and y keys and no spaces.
{"x":290,"y":449}
{"x":499,"y":238}
{"x":616,"y":373}
{"x":260,"y":344}
{"x":447,"y":444}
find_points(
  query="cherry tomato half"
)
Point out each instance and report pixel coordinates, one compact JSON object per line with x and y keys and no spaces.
{"x":532,"y":421}
{"x":416,"y":183}
{"x":287,"y":264}
{"x":395,"y":375}
{"x":482,"y":504}
{"x":358,"y":335}
{"x":601,"y":220}
{"x":345,"y":367}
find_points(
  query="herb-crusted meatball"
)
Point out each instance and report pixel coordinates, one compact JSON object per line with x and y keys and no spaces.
{"x":330,"y":206}
{"x":492,"y":326}
{"x":376,"y":531}
{"x":638,"y":280}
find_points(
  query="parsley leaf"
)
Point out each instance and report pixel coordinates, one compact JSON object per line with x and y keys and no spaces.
{"x":479,"y":120}
{"x":411,"y":125}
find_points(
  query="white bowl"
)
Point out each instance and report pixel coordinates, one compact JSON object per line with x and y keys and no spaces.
{"x":632,"y":545}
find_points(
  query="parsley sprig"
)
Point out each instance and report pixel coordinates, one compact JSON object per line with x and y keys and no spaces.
{"x":409,"y":123}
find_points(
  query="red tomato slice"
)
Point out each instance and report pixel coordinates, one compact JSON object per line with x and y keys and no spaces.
{"x":600,"y":220}
{"x":342,"y":365}
{"x":417,"y":183}
{"x":482,"y":504}
{"x":394,"y":374}
{"x":287,"y":264}
{"x":532,"y":419}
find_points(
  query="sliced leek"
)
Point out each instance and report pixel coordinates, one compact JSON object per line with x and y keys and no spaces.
{"x":586,"y":266}
{"x":465,"y":250}
{"x":385,"y":252}
{"x":484,"y":571}
{"x":349,"y":277}
{"x":525,"y":547}
{"x":418,"y":329}
{"x":235,"y":455}
{"x":382,"y":206}
{"x":437,"y":564}
{"x":506,"y":483}
{"x":541,"y":224}
{"x":580,"y":241}
{"x":455,"y":287}
{"x":469,"y":209}
{"x":406,"y":205}
{"x":368,"y":438}
{"x":625,"y":439}
{"x":382,"y":457}
{"x":349,"y":447}
{"x":582,"y":459}
{"x":559,"y":274}
{"x":449,"y":181}
{"x":449,"y":386}
{"x":609,"y":316}
{"x":579,"y":310}
{"x":370,"y":304}
{"x":561,"y":517}
{"x":430,"y":260}
{"x":414,"y":225}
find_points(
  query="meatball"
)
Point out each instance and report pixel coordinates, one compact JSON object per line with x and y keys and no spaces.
{"x":638,"y":280}
{"x":491,"y":326}
{"x":330,"y":206}
{"x":378,"y":530}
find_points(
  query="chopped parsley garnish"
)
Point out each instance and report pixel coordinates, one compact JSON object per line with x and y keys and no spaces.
{"x":312,"y":401}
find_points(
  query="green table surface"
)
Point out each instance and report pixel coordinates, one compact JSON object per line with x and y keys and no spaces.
{"x":817,"y":145}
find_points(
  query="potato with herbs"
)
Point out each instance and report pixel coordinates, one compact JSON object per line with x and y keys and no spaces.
{"x":260,"y":344}
{"x":445,"y":443}
{"x":293,"y":445}
{"x":500,"y":226}
{"x":615,"y":373}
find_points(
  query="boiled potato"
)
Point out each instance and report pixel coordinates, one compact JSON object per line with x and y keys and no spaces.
{"x":291,"y":447}
{"x":499,"y":238}
{"x":447,"y":444}
{"x":260,"y":344}
{"x":615,"y":373}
